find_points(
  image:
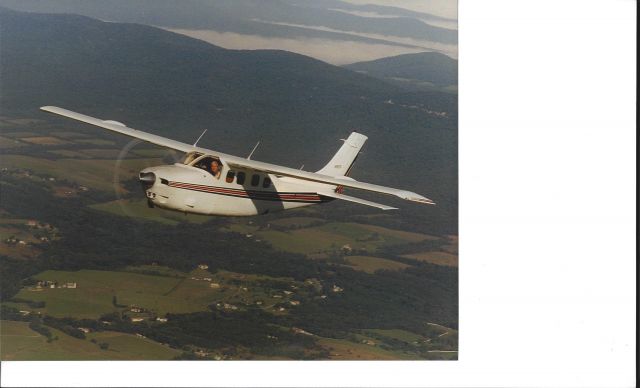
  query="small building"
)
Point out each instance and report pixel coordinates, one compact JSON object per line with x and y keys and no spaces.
{"x":161,"y":319}
{"x":24,"y":312}
{"x":203,"y":266}
{"x":137,"y":319}
{"x":295,"y":302}
{"x":72,"y":285}
{"x":214,"y":285}
{"x":297,"y":330}
{"x":288,"y":292}
{"x":336,"y":288}
{"x":206,"y":279}
{"x":84,"y":330}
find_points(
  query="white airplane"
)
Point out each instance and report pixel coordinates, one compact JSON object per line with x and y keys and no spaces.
{"x":212,"y":183}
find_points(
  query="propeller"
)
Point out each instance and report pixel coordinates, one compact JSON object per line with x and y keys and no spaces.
{"x":116,"y":175}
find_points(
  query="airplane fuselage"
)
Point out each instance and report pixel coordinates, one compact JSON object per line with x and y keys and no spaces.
{"x":190,"y":189}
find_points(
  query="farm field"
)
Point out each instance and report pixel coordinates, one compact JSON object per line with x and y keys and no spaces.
{"x":137,"y":208}
{"x":6,"y":142}
{"x":156,"y":294}
{"x":297,"y":221}
{"x":371,"y":264}
{"x":44,"y":140}
{"x":96,"y":289}
{"x":346,"y":350}
{"x":96,"y":174}
{"x":333,"y":236}
{"x":438,"y":258}
{"x":19,"y":342}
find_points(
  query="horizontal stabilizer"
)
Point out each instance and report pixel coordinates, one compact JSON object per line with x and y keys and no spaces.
{"x":357,"y":200}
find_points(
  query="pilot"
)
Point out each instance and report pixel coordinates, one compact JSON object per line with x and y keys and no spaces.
{"x":215,"y":168}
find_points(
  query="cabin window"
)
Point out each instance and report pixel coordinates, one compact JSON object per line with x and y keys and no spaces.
{"x":255,"y":180}
{"x":230,"y":176}
{"x":240,"y":179}
{"x":266,"y":183}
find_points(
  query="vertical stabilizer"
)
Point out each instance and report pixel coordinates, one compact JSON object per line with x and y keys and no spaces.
{"x":342,"y":161}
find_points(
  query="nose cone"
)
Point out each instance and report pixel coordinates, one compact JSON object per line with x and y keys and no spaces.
{"x":147,"y":179}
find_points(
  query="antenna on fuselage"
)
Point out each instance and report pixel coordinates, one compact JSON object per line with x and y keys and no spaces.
{"x":253,"y":150}
{"x":203,"y":132}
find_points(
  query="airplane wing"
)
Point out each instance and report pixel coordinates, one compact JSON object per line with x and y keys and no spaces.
{"x":121,"y":128}
{"x":236,"y":161}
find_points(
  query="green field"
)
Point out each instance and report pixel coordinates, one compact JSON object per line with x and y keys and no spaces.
{"x":371,"y":264}
{"x":94,"y":141}
{"x":69,"y":154}
{"x":94,"y":295}
{"x":5,"y":142}
{"x":160,"y":294}
{"x":96,"y":174}
{"x":438,"y":258}
{"x":19,"y":342}
{"x":346,"y":350}
{"x":70,"y":135}
{"x":296,"y":221}
{"x":398,"y":334}
{"x":138,"y":209}
{"x":333,"y":236}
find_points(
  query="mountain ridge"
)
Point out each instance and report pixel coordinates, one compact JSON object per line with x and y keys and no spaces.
{"x":159,"y":81}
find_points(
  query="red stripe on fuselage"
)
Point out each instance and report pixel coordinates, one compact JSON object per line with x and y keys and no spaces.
{"x":254,"y":194}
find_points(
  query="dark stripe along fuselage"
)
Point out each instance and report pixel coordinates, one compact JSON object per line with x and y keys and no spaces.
{"x":253,"y":194}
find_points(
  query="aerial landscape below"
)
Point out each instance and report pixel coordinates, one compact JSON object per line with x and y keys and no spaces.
{"x":90,"y":269}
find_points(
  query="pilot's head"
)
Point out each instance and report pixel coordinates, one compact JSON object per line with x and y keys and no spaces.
{"x":215,"y":166}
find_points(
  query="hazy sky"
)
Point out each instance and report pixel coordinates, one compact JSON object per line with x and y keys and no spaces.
{"x":445,"y":8}
{"x":340,"y":52}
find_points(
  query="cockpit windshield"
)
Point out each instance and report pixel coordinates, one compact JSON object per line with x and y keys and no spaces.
{"x":191,"y":156}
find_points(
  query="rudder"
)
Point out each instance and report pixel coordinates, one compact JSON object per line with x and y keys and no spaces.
{"x":343,"y":160}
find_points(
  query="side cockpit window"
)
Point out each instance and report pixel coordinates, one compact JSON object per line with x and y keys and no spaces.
{"x":266,"y":183}
{"x":240,"y":179}
{"x":210,"y":164}
{"x":230,"y":176}
{"x":255,"y":180}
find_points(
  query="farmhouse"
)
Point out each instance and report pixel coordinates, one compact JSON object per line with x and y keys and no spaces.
{"x":297,"y":330}
{"x":203,"y":266}
{"x":137,"y":319}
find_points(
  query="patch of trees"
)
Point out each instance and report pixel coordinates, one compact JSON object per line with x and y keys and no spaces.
{"x":64,"y":325}
{"x":36,"y":325}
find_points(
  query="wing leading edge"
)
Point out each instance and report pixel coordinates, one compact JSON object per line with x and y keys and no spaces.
{"x":247,"y":163}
